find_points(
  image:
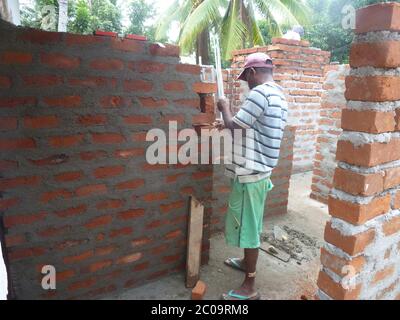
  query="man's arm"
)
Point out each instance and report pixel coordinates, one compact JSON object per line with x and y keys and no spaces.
{"x":223,"y":106}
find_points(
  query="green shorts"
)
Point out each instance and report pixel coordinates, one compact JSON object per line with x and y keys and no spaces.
{"x":244,"y":219}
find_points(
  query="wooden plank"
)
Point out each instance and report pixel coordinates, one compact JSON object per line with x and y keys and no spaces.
{"x":195,"y":236}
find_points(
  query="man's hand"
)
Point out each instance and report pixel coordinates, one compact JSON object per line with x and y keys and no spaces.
{"x":219,"y":124}
{"x":223,"y":104}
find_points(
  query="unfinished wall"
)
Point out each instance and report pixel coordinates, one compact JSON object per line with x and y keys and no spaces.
{"x":364,"y":231}
{"x":300,"y":71}
{"x":333,"y":102}
{"x":76,"y":190}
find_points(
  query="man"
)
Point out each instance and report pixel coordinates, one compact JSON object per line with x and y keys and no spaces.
{"x":295,"y":34}
{"x":264,"y":113}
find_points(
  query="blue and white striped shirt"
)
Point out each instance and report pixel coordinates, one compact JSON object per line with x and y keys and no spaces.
{"x":265,"y":113}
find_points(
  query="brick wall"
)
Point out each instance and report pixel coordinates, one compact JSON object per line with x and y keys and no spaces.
{"x":364,"y":231}
{"x":333,"y":102}
{"x":300,"y":71}
{"x":76,"y":190}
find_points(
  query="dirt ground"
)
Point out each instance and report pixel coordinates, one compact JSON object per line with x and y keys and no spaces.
{"x":276,"y":280}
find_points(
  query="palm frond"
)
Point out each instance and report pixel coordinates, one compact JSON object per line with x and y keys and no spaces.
{"x":277,"y":11}
{"x":173,"y":13}
{"x":255,"y":34}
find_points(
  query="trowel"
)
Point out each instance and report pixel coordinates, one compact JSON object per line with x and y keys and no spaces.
{"x":277,"y":253}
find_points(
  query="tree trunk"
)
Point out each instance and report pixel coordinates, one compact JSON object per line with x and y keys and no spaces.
{"x":203,"y":47}
{"x":62,"y":15}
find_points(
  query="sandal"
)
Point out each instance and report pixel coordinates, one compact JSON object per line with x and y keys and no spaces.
{"x":235,"y":296}
{"x":234,"y":263}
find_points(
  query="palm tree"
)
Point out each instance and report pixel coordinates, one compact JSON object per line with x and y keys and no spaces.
{"x":233,"y":20}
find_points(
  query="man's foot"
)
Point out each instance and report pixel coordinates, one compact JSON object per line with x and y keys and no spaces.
{"x":235,"y":263}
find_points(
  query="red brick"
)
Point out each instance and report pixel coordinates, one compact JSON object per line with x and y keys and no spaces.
{"x":68,"y":176}
{"x":140,"y":242}
{"x":18,"y":254}
{"x":193,"y":103}
{"x":110,"y":204}
{"x":138,"y":119}
{"x":156,"y":196}
{"x":138,"y":85}
{"x":100,"y":265}
{"x":82,"y":40}
{"x":8,"y":123}
{"x":21,"y":143}
{"x":107,"y":138}
{"x":93,"y":82}
{"x":41,"y":122}
{"x":82,"y":284}
{"x":98,"y":222}
{"x":91,"y":189}
{"x":173,"y":234}
{"x":392,"y":226}
{"x":92,"y":155}
{"x":8,"y":165}
{"x":107,"y":64}
{"x":165,"y":208}
{"x":150,"y":102}
{"x":199,"y":290}
{"x":59,"y":60}
{"x":378,"y":17}
{"x":392,"y":178}
{"x":335,"y":290}
{"x":103,"y":251}
{"x":71,"y":211}
{"x":5,"y":82}
{"x":357,"y":183}
{"x":148,"y":67}
{"x":14,"y":240}
{"x":112,"y":102}
{"x":121,"y":232}
{"x":136,"y":37}
{"x":368,"y":121}
{"x":61,"y":276}
{"x":42,"y":80}
{"x":40,"y":37}
{"x":53,"y":231}
{"x":356,"y":213}
{"x":90,"y":120}
{"x":368,"y":155}
{"x":383,"y":274}
{"x":168,"y":50}
{"x":203,"y":118}
{"x":350,"y":244}
{"x":201,"y":175}
{"x":128,"y":45}
{"x":65,"y":101}
{"x":129,"y":153}
{"x":12,"y":57}
{"x":372,"y":88}
{"x":8,"y":203}
{"x":16,"y":220}
{"x":106,"y":33}
{"x":174,"y":86}
{"x":130,"y":184}
{"x":366,"y":54}
{"x":188,"y":68}
{"x":17,"y":102}
{"x":11,"y":183}
{"x":106,"y":172}
{"x":129,"y":258}
{"x":141,"y":266}
{"x":53,"y":195}
{"x":204,"y":87}
{"x":131,"y":214}
{"x":65,"y":141}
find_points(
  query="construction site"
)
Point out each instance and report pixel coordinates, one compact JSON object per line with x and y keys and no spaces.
{"x":78,"y":196}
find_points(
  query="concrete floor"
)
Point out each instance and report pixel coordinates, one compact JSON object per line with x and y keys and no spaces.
{"x":276,"y":280}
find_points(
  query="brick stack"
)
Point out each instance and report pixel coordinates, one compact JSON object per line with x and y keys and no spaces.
{"x":333,"y":102}
{"x":300,"y":71}
{"x":76,"y":189}
{"x":364,"y":231}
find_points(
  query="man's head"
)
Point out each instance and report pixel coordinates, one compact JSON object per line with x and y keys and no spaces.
{"x":257,"y":69}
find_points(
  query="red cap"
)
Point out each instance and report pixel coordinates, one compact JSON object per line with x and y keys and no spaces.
{"x":256,"y":60}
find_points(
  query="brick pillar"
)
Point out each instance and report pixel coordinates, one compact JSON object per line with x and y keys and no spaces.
{"x":364,"y":231}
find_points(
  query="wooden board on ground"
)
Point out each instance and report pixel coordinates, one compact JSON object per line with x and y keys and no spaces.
{"x":195,"y":236}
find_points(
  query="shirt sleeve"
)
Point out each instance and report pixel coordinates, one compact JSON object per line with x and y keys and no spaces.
{"x":251,"y":110}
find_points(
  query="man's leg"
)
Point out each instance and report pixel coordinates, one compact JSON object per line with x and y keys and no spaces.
{"x":250,"y":260}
